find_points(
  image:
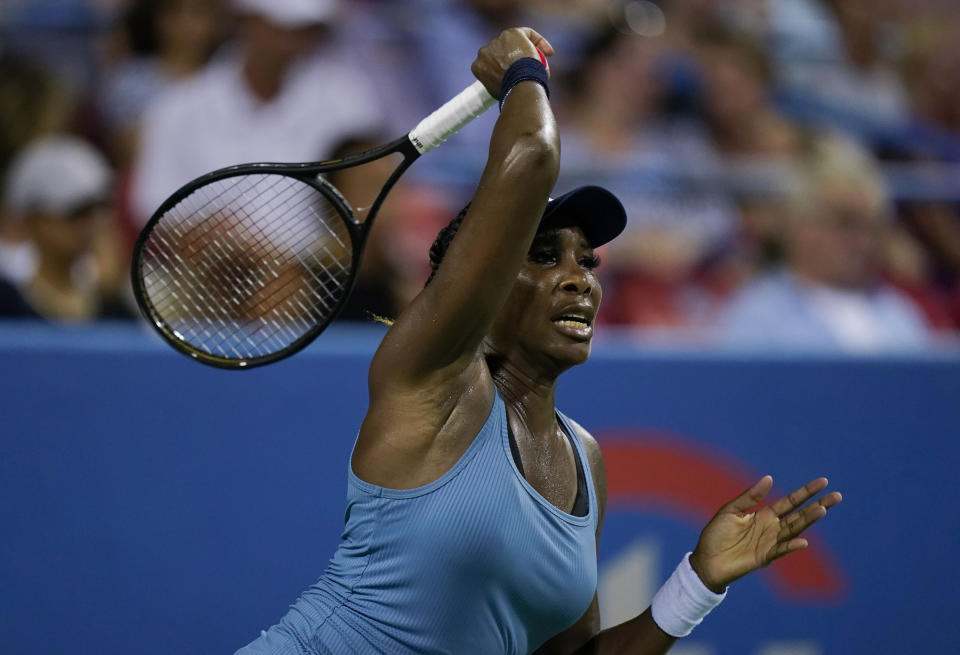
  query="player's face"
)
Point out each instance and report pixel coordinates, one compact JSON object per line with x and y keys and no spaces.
{"x":551,"y":310}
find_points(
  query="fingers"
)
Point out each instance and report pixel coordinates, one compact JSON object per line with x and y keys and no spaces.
{"x":796,"y":523}
{"x":538,"y":41}
{"x":797,"y":498}
{"x":752,"y":496}
{"x":785,"y":548}
{"x":495,"y":58}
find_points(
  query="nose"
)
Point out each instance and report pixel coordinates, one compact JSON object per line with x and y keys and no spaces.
{"x":576,"y":282}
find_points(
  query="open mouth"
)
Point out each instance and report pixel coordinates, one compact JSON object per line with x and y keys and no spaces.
{"x":573,"y":322}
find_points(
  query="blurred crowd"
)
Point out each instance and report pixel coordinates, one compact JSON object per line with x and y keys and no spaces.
{"x":790,"y":168}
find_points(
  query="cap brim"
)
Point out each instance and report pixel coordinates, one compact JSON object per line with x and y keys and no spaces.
{"x":593,"y":209}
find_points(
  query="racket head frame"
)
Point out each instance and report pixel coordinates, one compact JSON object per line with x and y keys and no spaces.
{"x":310,"y":174}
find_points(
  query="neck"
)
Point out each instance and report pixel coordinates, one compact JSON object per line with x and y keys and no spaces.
{"x":56,"y":272}
{"x":181,"y":62}
{"x":264,"y":78}
{"x":530,"y":397}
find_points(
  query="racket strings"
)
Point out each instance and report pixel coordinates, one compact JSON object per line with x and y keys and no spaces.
{"x":245,"y":266}
{"x":222,"y":257}
{"x":228,"y":249}
{"x":283,"y":327}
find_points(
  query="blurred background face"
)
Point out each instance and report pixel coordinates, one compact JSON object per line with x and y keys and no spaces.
{"x":838,"y":242}
{"x":67,"y":237}
{"x":189,"y":24}
{"x":279,"y":46}
{"x":624,"y":77}
{"x":733,"y":85}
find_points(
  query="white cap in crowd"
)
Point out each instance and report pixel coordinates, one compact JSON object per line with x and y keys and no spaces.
{"x":55,"y":175}
{"x":290,"y":13}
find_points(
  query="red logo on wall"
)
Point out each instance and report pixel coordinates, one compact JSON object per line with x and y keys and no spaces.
{"x":659,"y":471}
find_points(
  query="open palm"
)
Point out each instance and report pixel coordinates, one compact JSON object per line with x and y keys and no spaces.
{"x":737,"y":540}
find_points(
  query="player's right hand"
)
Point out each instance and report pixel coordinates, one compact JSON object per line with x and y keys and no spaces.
{"x":495,"y":58}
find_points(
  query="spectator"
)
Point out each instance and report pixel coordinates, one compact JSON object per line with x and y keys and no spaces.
{"x":59,"y":188}
{"x":845,"y":73}
{"x":829,"y":295}
{"x":758,"y":144}
{"x":737,"y":77}
{"x":615,"y":133}
{"x":32,"y":103}
{"x":910,"y":267}
{"x":932,"y":71}
{"x":275,"y":96}
{"x":164,"y":41}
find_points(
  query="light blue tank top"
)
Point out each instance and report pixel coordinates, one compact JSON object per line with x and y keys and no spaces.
{"x":474,"y":562}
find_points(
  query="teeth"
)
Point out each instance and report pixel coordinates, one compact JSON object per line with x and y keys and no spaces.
{"x":571,"y":323}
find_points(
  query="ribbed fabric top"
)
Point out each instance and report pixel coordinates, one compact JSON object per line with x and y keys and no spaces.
{"x":475,"y":562}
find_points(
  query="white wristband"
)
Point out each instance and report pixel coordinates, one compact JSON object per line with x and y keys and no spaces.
{"x":683,"y":600}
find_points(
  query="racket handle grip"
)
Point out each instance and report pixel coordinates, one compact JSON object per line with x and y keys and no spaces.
{"x":454,"y":114}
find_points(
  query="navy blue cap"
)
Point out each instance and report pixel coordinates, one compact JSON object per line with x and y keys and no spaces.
{"x":593,"y":209}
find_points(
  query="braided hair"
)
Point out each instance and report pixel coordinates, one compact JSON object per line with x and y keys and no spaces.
{"x":442,"y":242}
{"x":439,"y":248}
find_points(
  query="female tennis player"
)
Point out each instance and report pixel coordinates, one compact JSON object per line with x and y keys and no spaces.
{"x":473,"y":505}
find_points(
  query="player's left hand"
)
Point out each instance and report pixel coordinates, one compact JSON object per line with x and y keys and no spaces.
{"x":735,"y":542}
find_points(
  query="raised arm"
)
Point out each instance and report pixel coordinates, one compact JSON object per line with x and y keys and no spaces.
{"x":441,"y":330}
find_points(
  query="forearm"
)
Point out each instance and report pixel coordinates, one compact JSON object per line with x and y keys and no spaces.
{"x":522,"y":165}
{"x":638,"y":636}
{"x":677,"y":608}
{"x":481,"y":264}
{"x":441,"y":330}
{"x":520,"y":173}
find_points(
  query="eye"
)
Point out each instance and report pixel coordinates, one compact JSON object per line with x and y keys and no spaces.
{"x":590,"y":261}
{"x":544,"y":257}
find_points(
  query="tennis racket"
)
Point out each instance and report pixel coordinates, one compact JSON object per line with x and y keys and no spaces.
{"x":248,"y":264}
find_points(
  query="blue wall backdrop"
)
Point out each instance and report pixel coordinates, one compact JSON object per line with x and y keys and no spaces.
{"x":152,"y":505}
